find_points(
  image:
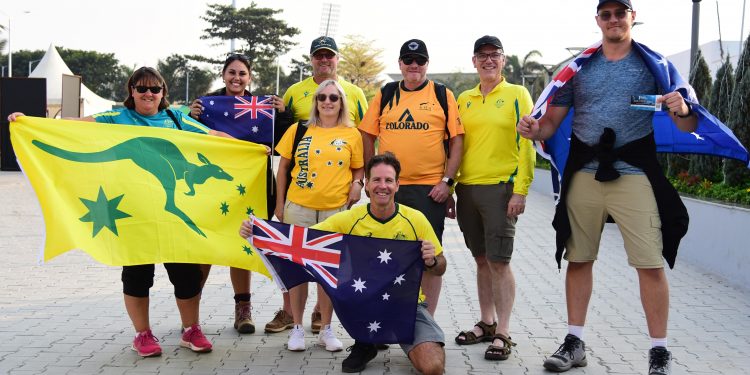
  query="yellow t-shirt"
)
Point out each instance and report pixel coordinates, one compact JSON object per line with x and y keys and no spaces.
{"x":299,"y":98}
{"x":414,"y":129}
{"x":322,"y":172}
{"x":405,"y":224}
{"x":494,"y":152}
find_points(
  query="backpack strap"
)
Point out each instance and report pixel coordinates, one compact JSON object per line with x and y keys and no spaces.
{"x":174,"y":118}
{"x":298,"y":135}
{"x":387,"y":94}
{"x":442,"y":97}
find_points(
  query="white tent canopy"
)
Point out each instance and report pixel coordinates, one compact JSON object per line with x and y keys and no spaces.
{"x":52,"y":67}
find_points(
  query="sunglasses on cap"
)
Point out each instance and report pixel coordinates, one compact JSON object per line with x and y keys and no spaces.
{"x":408,"y":60}
{"x":619,"y":14}
{"x":331,"y":97}
{"x":143,"y":89}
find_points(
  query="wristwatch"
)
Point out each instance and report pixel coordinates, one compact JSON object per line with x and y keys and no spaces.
{"x":360,"y":182}
{"x":434,"y":263}
{"x":448,"y":181}
{"x":690,"y":112}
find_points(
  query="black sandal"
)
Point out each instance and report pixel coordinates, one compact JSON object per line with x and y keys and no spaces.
{"x":499,"y":353}
{"x":470,"y":338}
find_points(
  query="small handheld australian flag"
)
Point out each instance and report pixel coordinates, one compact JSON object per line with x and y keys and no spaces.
{"x":250,"y":118}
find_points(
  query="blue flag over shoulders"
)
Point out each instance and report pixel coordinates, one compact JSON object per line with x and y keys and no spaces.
{"x":250,"y":118}
{"x":711,"y":137}
{"x":372,"y":282}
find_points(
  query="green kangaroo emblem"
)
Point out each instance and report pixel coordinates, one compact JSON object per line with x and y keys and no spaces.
{"x":157,"y":156}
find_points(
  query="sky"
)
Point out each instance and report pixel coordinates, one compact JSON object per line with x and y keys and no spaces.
{"x":140,"y":32}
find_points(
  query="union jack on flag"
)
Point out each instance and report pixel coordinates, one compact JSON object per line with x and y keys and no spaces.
{"x":250,"y":118}
{"x":254,"y":106}
{"x":373,"y":283}
{"x":711,"y":137}
{"x":302,"y":246}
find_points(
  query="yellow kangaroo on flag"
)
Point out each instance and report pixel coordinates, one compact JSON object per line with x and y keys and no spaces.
{"x":130,"y":195}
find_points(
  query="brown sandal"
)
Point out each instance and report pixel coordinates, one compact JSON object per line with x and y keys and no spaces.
{"x":470,"y":338}
{"x":499,"y":353}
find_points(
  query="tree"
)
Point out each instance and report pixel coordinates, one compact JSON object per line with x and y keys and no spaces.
{"x":735,"y":172}
{"x":262,"y":37}
{"x":174,"y":68}
{"x":458,"y":82}
{"x":710,"y":167}
{"x":21,"y":61}
{"x":360,"y":64}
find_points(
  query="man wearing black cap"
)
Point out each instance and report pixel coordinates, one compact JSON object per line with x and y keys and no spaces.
{"x":299,"y":99}
{"x":413,"y":124}
{"x":597,"y":182}
{"x":494,"y":178}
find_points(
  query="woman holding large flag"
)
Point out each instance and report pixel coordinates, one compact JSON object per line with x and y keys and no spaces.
{"x":147,"y":105}
{"x":236,"y":75}
{"x":326,"y":178}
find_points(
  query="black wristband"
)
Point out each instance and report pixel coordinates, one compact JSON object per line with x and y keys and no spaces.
{"x":690,"y":112}
{"x":433,"y":263}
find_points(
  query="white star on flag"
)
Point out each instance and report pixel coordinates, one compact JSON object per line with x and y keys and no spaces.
{"x":254,"y":129}
{"x":374,"y":326}
{"x":399,"y":279}
{"x":385,"y":256}
{"x":359,"y":285}
{"x":386,"y":296}
{"x":226,"y":114}
{"x":211,"y":102}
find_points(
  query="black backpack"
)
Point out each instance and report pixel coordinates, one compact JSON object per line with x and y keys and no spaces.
{"x":390,"y":92}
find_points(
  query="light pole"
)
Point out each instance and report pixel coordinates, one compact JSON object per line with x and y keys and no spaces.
{"x":10,"y":53}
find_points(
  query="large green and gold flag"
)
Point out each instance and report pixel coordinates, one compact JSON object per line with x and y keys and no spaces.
{"x":130,"y":195}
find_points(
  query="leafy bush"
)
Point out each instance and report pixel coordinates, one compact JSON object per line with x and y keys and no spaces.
{"x":705,"y":189}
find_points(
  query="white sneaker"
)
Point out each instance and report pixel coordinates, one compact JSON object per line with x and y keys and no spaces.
{"x":327,"y":338}
{"x":296,"y":341}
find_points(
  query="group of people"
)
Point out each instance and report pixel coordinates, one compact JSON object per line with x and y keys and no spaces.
{"x":411,"y":147}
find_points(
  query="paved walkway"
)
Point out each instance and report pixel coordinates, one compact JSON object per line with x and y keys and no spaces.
{"x":68,"y":316}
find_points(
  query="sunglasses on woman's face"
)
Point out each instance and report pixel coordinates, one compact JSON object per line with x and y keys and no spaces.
{"x":331,"y":97}
{"x":143,"y":89}
{"x":408,"y":60}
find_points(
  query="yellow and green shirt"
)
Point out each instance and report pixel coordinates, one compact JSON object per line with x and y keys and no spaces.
{"x":414,"y":129}
{"x":493,"y":151}
{"x":405,"y":224}
{"x":299,"y":98}
{"x":323,"y":164}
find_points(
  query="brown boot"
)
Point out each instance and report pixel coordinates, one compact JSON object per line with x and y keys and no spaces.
{"x":243,"y":321}
{"x":315,"y":322}
{"x":282,"y":321}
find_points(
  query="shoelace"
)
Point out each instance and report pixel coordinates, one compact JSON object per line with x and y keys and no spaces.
{"x":192,"y":331}
{"x":143,"y":337}
{"x":245,"y":312}
{"x":659,"y":359}
{"x":566,"y":348}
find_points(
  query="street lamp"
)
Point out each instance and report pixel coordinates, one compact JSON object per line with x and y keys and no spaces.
{"x":10,"y":54}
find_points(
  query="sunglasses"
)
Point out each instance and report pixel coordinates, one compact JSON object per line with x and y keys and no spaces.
{"x":324,"y":55}
{"x":331,"y":97}
{"x":619,"y":14}
{"x":143,"y":89}
{"x":408,"y":60}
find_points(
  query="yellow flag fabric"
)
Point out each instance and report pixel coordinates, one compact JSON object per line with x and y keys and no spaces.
{"x":129,"y":195}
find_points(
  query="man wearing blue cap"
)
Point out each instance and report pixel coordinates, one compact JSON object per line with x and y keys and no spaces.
{"x":608,"y":129}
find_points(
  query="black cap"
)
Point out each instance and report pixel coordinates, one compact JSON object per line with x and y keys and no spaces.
{"x":414,"y":47}
{"x":324,"y":42}
{"x":487,"y":40}
{"x":627,"y":3}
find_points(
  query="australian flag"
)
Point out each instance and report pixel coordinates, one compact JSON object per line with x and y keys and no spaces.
{"x":711,"y":137}
{"x":249,"y":118}
{"x":373,"y":283}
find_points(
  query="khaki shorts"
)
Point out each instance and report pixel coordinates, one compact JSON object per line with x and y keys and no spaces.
{"x":306,"y":217}
{"x":482,"y":213}
{"x":630,"y":201}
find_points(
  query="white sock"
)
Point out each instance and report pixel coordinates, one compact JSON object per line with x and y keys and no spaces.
{"x":659,"y":342}
{"x":576,"y":331}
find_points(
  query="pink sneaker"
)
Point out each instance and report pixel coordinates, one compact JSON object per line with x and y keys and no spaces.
{"x":194,"y":339}
{"x":146,"y":344}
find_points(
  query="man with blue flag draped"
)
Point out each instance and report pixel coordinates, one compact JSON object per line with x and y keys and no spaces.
{"x":372,"y":277}
{"x":606,"y":152}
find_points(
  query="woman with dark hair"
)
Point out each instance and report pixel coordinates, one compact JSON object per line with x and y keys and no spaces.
{"x":147,"y":105}
{"x":325,"y":180}
{"x":236,"y":75}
